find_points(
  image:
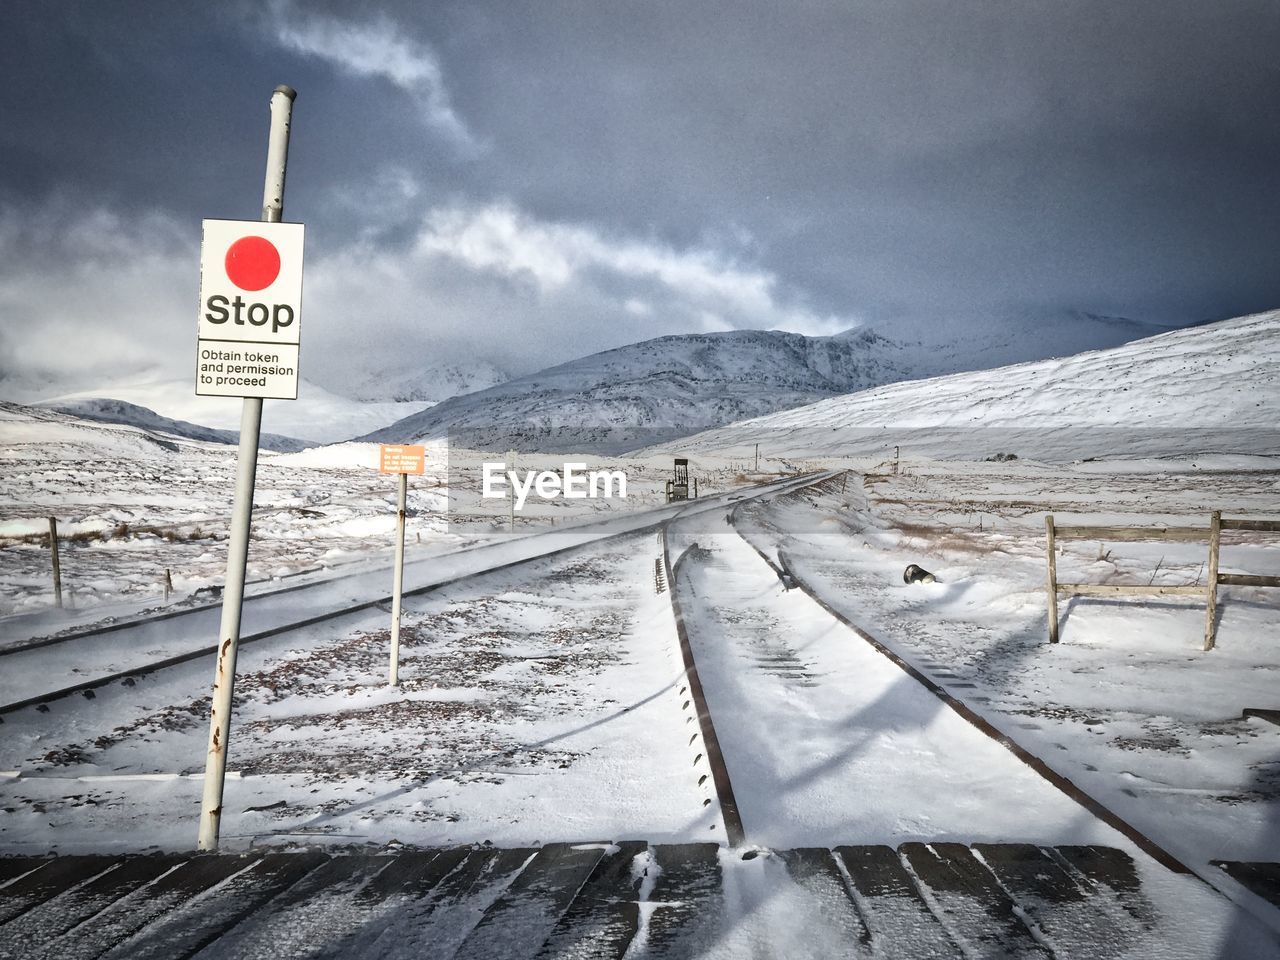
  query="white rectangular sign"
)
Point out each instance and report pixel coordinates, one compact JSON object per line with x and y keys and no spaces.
{"x":250,"y":317}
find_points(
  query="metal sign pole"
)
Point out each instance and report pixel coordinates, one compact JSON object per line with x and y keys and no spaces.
{"x":238,"y":549}
{"x":398,"y":580}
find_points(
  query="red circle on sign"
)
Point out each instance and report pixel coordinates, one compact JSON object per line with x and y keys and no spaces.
{"x":253,"y":263}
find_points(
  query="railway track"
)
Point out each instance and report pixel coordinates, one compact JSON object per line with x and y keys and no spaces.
{"x":103,"y":657}
{"x":1225,"y":880}
{"x":626,"y":897}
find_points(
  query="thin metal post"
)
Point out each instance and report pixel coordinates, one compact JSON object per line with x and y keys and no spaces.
{"x":1211,"y":606}
{"x":757,"y":470}
{"x":397,"y":580}
{"x":57,"y":568}
{"x":238,"y":548}
{"x":1052,"y":584}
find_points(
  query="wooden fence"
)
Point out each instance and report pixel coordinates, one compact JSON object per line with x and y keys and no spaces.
{"x":1212,"y":533}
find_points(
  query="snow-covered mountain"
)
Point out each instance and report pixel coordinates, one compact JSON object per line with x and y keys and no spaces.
{"x":1021,"y":337}
{"x":646,"y":392}
{"x":660,"y":389}
{"x":56,"y":436}
{"x":625,"y":398}
{"x":318,"y":415}
{"x":408,"y":382}
{"x":130,"y":414}
{"x":1208,"y":389}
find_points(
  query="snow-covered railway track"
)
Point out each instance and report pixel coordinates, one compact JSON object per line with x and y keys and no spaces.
{"x":527,"y":691}
{"x":792,"y":575}
{"x":777,"y":671}
{"x":33,"y":676}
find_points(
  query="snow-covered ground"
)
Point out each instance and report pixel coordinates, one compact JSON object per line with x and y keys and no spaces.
{"x":824,"y":738}
{"x":544,"y":702}
{"x":533,"y":706}
{"x":317,"y":416}
{"x":1128,"y":706}
{"x":133,"y":504}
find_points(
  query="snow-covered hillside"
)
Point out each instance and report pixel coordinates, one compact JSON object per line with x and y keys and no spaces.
{"x":998,"y":341}
{"x":130,"y":414}
{"x":421,"y":380}
{"x":649,"y":391}
{"x":657,"y":390}
{"x":1207,"y":389}
{"x":318,"y":415}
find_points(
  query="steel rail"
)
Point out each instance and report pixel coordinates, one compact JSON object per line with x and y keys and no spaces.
{"x":1100,"y":810}
{"x":88,"y":686}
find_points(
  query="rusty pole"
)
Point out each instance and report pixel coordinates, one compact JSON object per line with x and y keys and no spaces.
{"x":238,"y":548}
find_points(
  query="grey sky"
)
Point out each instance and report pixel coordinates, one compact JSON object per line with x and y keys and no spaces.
{"x":529,"y":182}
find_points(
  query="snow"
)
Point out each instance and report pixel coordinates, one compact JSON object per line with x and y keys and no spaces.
{"x":541,"y":702}
{"x":639,"y":394}
{"x":1209,"y":390}
{"x":317,"y":416}
{"x":833,"y":740}
{"x":523,"y":718}
{"x":1127,"y":705}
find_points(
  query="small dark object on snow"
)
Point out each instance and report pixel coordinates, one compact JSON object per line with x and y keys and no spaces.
{"x":279,"y":804}
{"x":915,"y":574}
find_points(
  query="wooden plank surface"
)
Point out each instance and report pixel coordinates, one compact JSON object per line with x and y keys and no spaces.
{"x":147,"y":905}
{"x":516,"y":925}
{"x":1129,"y":534}
{"x":186,"y":930}
{"x":1078,"y":919}
{"x":971,"y":903}
{"x":1114,"y":870}
{"x":434,"y":925}
{"x":935,"y":901}
{"x":47,"y":881}
{"x":1130,"y":589}
{"x":1260,"y":877}
{"x":318,"y":910}
{"x":899,"y":921}
{"x":48,"y":921}
{"x":689,"y":889}
{"x":603,"y":918}
{"x":1247,"y":580}
{"x":815,"y":871}
{"x":11,"y":868}
{"x":1260,"y":526}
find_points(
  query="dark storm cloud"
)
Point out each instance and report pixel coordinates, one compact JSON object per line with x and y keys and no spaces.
{"x":632,"y":169}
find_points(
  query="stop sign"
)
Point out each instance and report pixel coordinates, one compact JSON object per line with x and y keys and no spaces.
{"x":250,"y":315}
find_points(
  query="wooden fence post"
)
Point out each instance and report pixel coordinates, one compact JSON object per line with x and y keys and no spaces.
{"x":1052,"y":584}
{"x":57,"y":570}
{"x":1211,"y":606}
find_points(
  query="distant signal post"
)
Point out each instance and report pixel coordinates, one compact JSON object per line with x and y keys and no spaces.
{"x":248,"y":331}
{"x":402,"y":460}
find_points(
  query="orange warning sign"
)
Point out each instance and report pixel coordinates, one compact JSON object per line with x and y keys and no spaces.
{"x":397,"y":458}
